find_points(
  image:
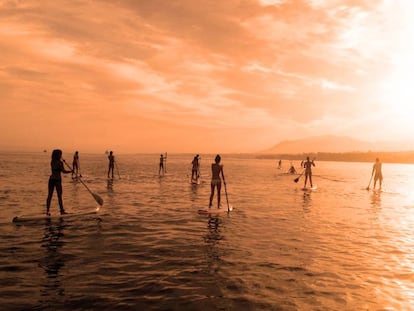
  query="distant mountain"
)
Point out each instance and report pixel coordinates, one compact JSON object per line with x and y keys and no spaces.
{"x":327,"y":143}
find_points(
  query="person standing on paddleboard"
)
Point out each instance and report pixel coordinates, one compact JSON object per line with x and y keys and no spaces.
{"x":75,"y":165}
{"x":111,"y":165}
{"x":195,"y":169}
{"x":161,"y":165}
{"x":377,"y":169}
{"x":307,"y":165}
{"x":216,"y":171}
{"x":55,"y":180}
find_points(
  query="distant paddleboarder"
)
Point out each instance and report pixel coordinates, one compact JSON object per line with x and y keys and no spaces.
{"x":111,"y":164}
{"x":307,"y":165}
{"x":377,"y":170}
{"x":75,"y":165}
{"x":216,"y":171}
{"x":161,"y":166}
{"x":195,"y":171}
{"x":292,"y":169}
{"x":55,"y":180}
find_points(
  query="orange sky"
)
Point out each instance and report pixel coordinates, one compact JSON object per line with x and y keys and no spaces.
{"x":203,"y":76}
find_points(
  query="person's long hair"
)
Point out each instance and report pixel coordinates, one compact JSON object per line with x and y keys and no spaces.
{"x":56,"y":155}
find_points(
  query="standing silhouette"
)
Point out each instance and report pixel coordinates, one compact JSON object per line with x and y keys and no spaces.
{"x":307,"y":165}
{"x":55,"y":180}
{"x":377,"y":169}
{"x":195,"y":172}
{"x":76,"y":165}
{"x":161,"y":168}
{"x":216,"y":172}
{"x":111,"y":164}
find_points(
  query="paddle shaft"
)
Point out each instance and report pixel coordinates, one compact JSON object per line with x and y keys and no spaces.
{"x":297,"y":178}
{"x":97,"y":198}
{"x":369,"y":184}
{"x":225,"y":191}
{"x":117,"y":170}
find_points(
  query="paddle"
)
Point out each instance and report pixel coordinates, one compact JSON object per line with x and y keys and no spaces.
{"x":225,"y":191}
{"x":117,"y":170}
{"x":297,"y":178}
{"x":97,"y":198}
{"x":369,"y":184}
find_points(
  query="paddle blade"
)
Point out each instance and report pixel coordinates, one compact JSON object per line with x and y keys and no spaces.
{"x":98,"y":199}
{"x":296,"y":179}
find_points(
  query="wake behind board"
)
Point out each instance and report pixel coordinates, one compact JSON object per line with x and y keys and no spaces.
{"x":215,"y":211}
{"x":35,"y":218}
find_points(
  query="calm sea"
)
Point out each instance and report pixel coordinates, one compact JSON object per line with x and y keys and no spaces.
{"x":339,"y":247}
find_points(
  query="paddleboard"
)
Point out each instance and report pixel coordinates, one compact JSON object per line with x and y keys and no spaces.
{"x":195,"y":182}
{"x":34,"y":218}
{"x":310,"y":189}
{"x":210,"y":211}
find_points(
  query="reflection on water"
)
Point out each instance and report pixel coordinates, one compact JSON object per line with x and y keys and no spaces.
{"x":110,"y":184}
{"x":53,"y":289}
{"x":376,"y":198}
{"x":212,"y":240}
{"x":307,"y":201}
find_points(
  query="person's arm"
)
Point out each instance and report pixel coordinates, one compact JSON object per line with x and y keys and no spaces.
{"x":62,"y":169}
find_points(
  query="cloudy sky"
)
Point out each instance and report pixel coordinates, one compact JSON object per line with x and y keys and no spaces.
{"x":203,"y":75}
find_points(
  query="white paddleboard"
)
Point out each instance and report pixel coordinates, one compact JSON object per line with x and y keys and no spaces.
{"x":195,"y":182}
{"x":34,"y":218}
{"x":310,"y":189}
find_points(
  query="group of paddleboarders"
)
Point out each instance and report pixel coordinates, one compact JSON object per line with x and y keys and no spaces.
{"x":217,"y":174}
{"x":307,"y":166}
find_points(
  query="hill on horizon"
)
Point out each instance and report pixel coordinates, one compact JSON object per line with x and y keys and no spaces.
{"x":332,"y":144}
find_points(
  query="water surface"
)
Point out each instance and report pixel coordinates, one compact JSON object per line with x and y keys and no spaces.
{"x":340,"y":247}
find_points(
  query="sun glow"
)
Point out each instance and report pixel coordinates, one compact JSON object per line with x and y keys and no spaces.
{"x":398,"y":90}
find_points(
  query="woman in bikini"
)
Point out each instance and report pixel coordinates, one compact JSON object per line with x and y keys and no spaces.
{"x":216,"y":171}
{"x":55,"y":180}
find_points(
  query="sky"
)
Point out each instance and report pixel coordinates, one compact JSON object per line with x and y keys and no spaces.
{"x":143,"y":76}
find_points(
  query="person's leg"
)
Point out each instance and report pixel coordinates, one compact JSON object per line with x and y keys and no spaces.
{"x":306,"y":180}
{"x":218,"y":195}
{"x":211,"y":195}
{"x":310,"y":180}
{"x":59,"y":193}
{"x":49,"y":196}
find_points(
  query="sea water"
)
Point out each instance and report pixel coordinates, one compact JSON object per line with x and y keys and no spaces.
{"x":340,"y":247}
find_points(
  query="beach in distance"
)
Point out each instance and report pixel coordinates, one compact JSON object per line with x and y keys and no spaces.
{"x":338,"y":247}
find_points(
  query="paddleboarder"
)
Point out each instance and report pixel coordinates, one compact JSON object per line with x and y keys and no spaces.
{"x":55,"y":180}
{"x":75,"y":165}
{"x":161,"y":165}
{"x":111,"y":165}
{"x":195,"y":168}
{"x":216,"y":171}
{"x":307,"y":165}
{"x":292,"y":169}
{"x":377,"y":169}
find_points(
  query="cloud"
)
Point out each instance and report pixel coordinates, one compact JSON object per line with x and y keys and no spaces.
{"x":257,"y":66}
